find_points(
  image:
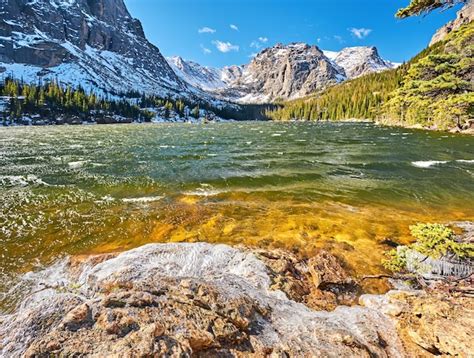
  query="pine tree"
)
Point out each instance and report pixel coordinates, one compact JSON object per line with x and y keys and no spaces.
{"x":419,"y":7}
{"x":196,"y":112}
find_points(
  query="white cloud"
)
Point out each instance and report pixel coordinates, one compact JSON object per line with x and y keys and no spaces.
{"x":206,"y":30}
{"x":339,"y":39}
{"x":234,"y":27}
{"x":259,"y":43}
{"x":360,"y":33}
{"x":225,"y":46}
{"x":318,"y":40}
{"x":205,"y":50}
{"x":255,"y":44}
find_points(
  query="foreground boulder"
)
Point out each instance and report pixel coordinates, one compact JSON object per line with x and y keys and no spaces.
{"x":188,"y":300}
{"x":430,"y":323}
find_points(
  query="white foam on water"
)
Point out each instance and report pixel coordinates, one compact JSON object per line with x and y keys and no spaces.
{"x":105,"y":199}
{"x":21,"y":180}
{"x":204,"y":192}
{"x":76,"y":146}
{"x":428,"y":163}
{"x":144,"y":199}
{"x":431,"y":163}
{"x":78,"y":164}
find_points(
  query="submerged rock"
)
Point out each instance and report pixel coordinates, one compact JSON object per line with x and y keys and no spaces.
{"x":192,"y":299}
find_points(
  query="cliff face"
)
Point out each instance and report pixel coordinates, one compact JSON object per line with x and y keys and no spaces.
{"x":359,"y":61}
{"x":282,"y":72}
{"x":464,"y":16}
{"x":290,"y":71}
{"x":92,"y":43}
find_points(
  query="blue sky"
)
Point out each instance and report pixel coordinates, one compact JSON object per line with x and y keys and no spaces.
{"x":225,"y":32}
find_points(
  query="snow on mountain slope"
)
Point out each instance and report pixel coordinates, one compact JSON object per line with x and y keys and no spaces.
{"x":206,"y":78}
{"x":330,"y":54}
{"x":95,"y":44}
{"x":282,"y":72}
{"x":203,"y":77}
{"x":359,"y":61}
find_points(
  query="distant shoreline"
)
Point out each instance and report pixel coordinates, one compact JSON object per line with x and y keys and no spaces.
{"x":469,"y":131}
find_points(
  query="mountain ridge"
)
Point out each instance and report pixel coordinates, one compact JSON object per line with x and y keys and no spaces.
{"x":96,"y":45}
{"x":282,"y":71}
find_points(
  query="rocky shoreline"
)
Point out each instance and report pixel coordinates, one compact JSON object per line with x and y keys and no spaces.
{"x":214,"y":300}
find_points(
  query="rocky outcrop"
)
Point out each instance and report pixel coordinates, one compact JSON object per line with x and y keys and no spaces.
{"x":430,"y":323}
{"x":320,"y":282}
{"x":464,"y":16}
{"x":359,"y":61}
{"x":213,"y":300}
{"x":94,"y":44}
{"x":282,"y":72}
{"x":191,"y":300}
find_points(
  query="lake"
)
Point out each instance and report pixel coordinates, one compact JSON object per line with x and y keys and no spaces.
{"x":350,"y":188}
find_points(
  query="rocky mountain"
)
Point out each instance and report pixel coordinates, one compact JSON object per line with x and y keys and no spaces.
{"x":359,"y":61}
{"x":282,"y":72}
{"x":463,"y":16}
{"x":94,"y":44}
{"x":206,"y":78}
{"x":98,"y":45}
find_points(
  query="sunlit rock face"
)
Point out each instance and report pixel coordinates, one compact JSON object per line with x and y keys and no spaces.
{"x":464,"y":16}
{"x":95,"y":44}
{"x":361,"y":60}
{"x":184,"y":299}
{"x":430,"y":324}
{"x":282,"y":72}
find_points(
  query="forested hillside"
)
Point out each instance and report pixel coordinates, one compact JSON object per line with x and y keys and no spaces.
{"x":437,"y":90}
{"x":358,"y":98}
{"x":51,"y":102}
{"x":434,"y":89}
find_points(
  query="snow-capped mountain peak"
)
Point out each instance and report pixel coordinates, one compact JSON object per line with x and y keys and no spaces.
{"x":206,"y":78}
{"x":281,"y":72}
{"x":93,"y":44}
{"x":360,"y":60}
